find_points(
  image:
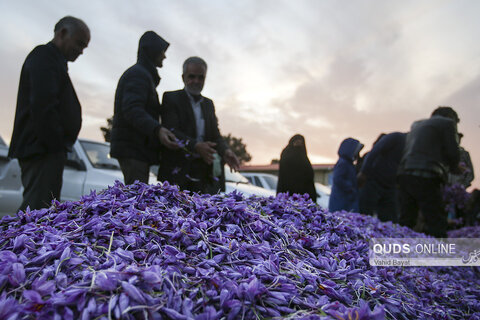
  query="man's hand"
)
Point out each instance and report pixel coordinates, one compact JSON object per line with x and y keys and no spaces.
{"x":460,"y":169}
{"x":206,"y":150}
{"x":167,"y":138}
{"x":231,"y":159}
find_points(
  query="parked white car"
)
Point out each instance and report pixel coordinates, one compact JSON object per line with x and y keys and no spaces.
{"x":264,"y":180}
{"x":236,"y":181}
{"x":269,"y":181}
{"x":88,"y":167}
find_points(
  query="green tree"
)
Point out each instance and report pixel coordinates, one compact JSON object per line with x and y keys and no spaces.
{"x":106,"y":131}
{"x":238,"y":147}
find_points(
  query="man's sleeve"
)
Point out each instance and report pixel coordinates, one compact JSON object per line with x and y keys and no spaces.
{"x":135,"y":99}
{"x":45,"y":80}
{"x":452,"y":148}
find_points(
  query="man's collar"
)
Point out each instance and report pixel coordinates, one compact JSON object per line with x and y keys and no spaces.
{"x":59,"y":53}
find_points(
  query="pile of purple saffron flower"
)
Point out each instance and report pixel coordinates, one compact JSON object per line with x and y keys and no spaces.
{"x":154,"y":252}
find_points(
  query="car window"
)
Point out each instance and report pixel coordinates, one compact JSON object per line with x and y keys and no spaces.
{"x":271,"y":181}
{"x":2,"y":142}
{"x":257,"y":182}
{"x":249,"y":178}
{"x":72,"y":159}
{"x":99,"y":155}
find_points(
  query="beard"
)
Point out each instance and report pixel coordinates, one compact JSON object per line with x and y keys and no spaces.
{"x":194,"y":90}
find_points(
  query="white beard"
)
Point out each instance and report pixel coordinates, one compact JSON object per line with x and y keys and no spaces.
{"x":192,"y":91}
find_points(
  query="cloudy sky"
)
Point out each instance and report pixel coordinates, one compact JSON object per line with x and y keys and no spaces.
{"x":326,"y":69}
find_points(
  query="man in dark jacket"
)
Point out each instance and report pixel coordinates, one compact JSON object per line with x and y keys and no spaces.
{"x":378,"y":175}
{"x":136,"y":130}
{"x":48,"y":115}
{"x":431,"y":151}
{"x":191,"y":117}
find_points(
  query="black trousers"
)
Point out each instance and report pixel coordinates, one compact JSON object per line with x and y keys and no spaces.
{"x":375,"y":198}
{"x":424,"y":194}
{"x":42,"y":178}
{"x":133,"y":170}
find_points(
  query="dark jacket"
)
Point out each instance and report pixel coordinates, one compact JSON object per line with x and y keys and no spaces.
{"x":431,"y":148}
{"x":381,"y":163}
{"x":344,"y":195}
{"x":295,"y":174}
{"x":177,"y":115}
{"x":48,"y":116}
{"x":137,"y":108}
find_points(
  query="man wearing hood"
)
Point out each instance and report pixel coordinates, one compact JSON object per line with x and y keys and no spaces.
{"x":136,"y":130}
{"x":191,"y":116}
{"x":344,"y":195}
{"x":48,"y":115}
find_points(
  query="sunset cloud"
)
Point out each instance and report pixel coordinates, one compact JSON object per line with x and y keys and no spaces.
{"x":326,"y":69}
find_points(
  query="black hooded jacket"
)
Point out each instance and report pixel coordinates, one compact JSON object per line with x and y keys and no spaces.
{"x":137,"y":107}
{"x":296,"y":172}
{"x":48,"y":116}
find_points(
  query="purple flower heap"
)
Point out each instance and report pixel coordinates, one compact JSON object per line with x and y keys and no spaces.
{"x":455,"y":197}
{"x":152,"y":252}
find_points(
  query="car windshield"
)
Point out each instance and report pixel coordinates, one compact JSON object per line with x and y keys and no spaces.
{"x":231,"y":176}
{"x":271,"y":181}
{"x":99,"y":155}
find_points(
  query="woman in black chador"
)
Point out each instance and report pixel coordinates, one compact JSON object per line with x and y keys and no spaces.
{"x":296,"y":172}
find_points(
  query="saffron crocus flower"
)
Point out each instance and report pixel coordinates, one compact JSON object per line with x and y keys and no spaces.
{"x":9,"y":308}
{"x":152,"y":251}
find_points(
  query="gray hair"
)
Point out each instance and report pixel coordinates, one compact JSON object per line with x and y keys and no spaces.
{"x":70,"y":23}
{"x":194,"y":60}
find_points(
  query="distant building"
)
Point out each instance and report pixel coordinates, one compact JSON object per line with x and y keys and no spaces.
{"x":322,"y":171}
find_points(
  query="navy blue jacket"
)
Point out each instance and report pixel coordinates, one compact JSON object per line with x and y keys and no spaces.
{"x":48,"y":115}
{"x":344,"y":195}
{"x":381,"y":163}
{"x":137,"y":108}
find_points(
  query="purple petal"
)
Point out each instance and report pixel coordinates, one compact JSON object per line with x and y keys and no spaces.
{"x":133,"y":292}
{"x":19,"y":241}
{"x":33,"y":296}
{"x":123,"y":302}
{"x":105,"y":282}
{"x":151,"y":277}
{"x":18,"y":274}
{"x":44,"y":287}
{"x":172,"y":314}
{"x":8,"y":256}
